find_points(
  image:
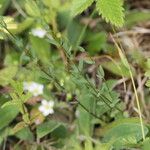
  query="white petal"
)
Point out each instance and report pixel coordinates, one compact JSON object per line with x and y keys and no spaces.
{"x":44,"y":102}
{"x":31,"y":87}
{"x":41,"y":108}
{"x":51,"y":111}
{"x":25,"y":85}
{"x":39,"y":32}
{"x":41,"y":87}
{"x":35,"y":88}
{"x":40,"y":90}
{"x":51,"y":103}
{"x":46,"y":113}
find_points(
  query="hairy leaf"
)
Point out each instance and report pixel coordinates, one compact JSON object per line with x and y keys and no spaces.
{"x":111,"y":11}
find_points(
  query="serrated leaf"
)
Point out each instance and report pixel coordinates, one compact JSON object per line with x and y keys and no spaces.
{"x":111,"y":11}
{"x":79,"y":6}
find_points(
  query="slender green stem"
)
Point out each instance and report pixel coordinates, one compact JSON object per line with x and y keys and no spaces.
{"x":127,"y":65}
{"x":138,"y":105}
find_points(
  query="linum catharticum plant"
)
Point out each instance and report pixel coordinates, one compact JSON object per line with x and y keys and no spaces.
{"x":91,"y":102}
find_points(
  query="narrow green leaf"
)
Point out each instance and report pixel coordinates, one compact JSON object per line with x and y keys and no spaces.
{"x":101,"y":72}
{"x":79,"y":6}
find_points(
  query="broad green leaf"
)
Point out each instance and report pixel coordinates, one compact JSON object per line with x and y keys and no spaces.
{"x":111,"y":11}
{"x":7,"y":115}
{"x":60,"y":132}
{"x":4,"y":133}
{"x":146,"y":144}
{"x":7,"y":74}
{"x":123,"y":132}
{"x":46,"y":128}
{"x":79,"y":6}
{"x":24,"y":134}
{"x":13,"y":103}
{"x":19,"y":126}
{"x":118,"y":68}
{"x":41,"y":48}
{"x":83,"y":117}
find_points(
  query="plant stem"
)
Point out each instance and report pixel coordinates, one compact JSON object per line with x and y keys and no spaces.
{"x":138,"y":105}
{"x":127,"y":65}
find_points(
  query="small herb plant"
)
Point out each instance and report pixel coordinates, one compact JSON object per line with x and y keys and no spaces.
{"x":64,"y":85}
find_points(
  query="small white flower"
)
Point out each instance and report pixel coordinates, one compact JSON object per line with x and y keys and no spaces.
{"x":77,"y":113}
{"x":39,"y":32}
{"x":34,"y":88}
{"x":46,"y":107}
